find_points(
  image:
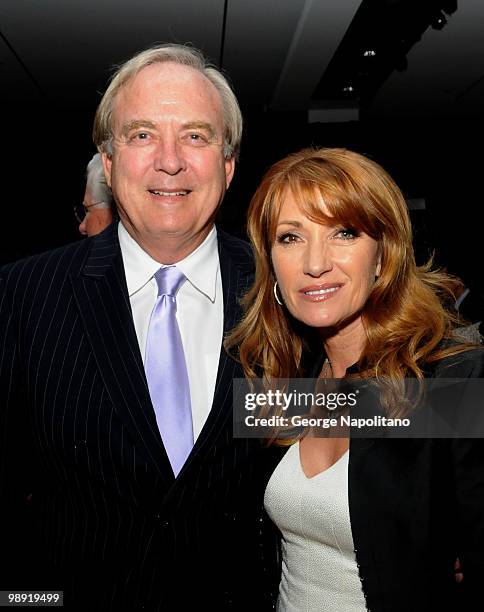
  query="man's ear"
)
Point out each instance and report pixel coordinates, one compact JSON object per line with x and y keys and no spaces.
{"x":229,"y":171}
{"x":107,"y":163}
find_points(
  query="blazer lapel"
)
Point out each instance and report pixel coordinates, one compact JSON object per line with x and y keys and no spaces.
{"x":102,"y":296}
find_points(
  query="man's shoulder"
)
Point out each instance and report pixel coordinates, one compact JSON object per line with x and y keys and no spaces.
{"x":239,"y":251}
{"x":54,"y":264}
{"x":47,"y":264}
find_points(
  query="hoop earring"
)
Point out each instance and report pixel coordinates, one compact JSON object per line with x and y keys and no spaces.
{"x":276,"y":296}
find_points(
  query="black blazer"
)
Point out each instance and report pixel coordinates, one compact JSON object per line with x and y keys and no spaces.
{"x":83,"y":461}
{"x":415,"y":506}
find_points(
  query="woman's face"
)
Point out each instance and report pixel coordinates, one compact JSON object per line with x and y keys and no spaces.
{"x":325,"y":272}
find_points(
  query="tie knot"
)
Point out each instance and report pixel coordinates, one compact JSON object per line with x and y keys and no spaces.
{"x":169,"y":279}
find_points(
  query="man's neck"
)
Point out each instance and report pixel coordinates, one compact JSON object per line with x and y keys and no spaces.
{"x":168,"y":249}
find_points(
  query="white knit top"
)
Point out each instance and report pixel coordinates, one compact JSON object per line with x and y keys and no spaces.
{"x":319,"y":570}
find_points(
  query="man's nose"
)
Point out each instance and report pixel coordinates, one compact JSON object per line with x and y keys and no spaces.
{"x":317,"y":259}
{"x":169,"y":156}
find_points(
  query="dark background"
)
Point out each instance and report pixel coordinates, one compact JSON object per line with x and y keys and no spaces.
{"x":415,"y":103}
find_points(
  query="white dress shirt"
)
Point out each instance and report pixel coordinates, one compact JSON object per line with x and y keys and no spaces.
{"x":199,"y":312}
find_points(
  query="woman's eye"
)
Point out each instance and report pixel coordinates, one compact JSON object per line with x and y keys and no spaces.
{"x":287,"y":238}
{"x":346,"y":233}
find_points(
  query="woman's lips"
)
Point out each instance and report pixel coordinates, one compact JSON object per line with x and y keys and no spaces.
{"x":320,"y":293}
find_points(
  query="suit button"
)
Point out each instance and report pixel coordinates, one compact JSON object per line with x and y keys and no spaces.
{"x":163,"y":521}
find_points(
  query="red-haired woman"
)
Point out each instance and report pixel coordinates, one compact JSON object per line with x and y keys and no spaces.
{"x":376,"y":523}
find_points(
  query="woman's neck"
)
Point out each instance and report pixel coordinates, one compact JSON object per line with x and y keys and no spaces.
{"x":344,"y":346}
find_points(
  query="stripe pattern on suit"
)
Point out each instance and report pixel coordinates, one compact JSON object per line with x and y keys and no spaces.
{"x":110,"y":524}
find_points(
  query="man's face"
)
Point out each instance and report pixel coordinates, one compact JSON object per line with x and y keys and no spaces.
{"x":167,"y":170}
{"x":98,"y":216}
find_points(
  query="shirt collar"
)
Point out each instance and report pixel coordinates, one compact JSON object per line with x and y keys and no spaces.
{"x":200,"y":267}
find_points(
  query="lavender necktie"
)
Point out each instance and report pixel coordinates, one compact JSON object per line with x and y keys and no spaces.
{"x":166,"y":370}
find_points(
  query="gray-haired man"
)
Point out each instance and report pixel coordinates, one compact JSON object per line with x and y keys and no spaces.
{"x":97,"y":209}
{"x":126,"y":525}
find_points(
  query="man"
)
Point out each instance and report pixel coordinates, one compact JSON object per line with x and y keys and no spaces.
{"x":96,"y":211}
{"x":137,"y":513}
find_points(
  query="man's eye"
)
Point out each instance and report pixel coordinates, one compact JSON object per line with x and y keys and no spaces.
{"x":197,"y":139}
{"x":139,"y":136}
{"x":287,"y":238}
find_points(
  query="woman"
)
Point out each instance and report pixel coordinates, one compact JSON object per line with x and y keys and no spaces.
{"x":366,"y":524}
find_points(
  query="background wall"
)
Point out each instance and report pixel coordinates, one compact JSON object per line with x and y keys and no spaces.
{"x":416,"y":105}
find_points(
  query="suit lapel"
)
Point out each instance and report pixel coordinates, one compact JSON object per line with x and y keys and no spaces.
{"x":102,"y":297}
{"x":236,"y":267}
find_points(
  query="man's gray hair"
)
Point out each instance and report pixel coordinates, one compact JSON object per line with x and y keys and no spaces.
{"x":96,"y":182}
{"x":178,"y":54}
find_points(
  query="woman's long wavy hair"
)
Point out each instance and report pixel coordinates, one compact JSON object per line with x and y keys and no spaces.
{"x":404,"y":317}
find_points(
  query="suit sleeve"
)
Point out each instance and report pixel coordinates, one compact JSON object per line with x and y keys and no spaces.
{"x":14,"y":455}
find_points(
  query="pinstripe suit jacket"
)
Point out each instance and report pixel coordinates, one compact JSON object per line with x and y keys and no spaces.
{"x":110,"y":524}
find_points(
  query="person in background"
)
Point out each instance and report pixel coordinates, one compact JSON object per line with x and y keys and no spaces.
{"x":372,"y":523}
{"x":97,"y":210}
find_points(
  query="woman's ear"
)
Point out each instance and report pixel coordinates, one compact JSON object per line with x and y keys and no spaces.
{"x":378,"y":263}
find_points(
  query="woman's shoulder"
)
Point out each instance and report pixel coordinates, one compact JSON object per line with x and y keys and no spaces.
{"x":466,"y":363}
